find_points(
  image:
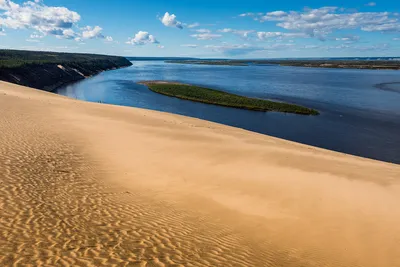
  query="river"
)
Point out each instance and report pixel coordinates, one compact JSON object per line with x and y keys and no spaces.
{"x":360,"y":109}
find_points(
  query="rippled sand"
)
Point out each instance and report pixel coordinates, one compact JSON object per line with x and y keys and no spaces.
{"x":84,"y":184}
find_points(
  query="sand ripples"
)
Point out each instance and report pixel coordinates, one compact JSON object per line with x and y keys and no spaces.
{"x":55,"y":213}
{"x":93,"y":185}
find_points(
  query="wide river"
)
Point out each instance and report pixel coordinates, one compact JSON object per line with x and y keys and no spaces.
{"x":360,"y":109}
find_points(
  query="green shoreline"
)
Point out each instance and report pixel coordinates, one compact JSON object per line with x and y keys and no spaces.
{"x":332,"y":64}
{"x":220,"y":98}
{"x":50,"y":70}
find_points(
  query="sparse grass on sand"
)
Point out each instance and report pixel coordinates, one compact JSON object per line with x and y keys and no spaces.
{"x":216,"y":97}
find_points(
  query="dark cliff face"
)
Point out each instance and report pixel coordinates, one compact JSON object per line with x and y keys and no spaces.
{"x":48,"y":76}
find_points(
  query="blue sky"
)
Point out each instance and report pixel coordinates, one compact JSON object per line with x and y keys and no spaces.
{"x":207,"y":28}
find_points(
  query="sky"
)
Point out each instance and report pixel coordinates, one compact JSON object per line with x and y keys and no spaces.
{"x":206,"y":28}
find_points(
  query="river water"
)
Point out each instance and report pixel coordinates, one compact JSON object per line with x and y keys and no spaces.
{"x":360,"y":109}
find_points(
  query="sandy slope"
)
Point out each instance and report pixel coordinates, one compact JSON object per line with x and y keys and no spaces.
{"x":86,"y":184}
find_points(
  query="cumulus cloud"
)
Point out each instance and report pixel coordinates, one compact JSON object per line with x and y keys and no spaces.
{"x":190,"y":45}
{"x":323,"y":21}
{"x":44,"y":20}
{"x":142,"y":38}
{"x":171,"y":21}
{"x":92,"y":32}
{"x":68,"y":34}
{"x":35,"y":15}
{"x":89,"y":32}
{"x":371,"y":4}
{"x":206,"y":36}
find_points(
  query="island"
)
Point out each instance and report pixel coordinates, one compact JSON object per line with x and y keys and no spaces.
{"x":49,"y":70}
{"x":220,"y":98}
{"x":376,"y":64}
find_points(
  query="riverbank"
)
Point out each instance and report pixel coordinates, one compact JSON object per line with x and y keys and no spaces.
{"x":50,"y":70}
{"x":94,"y":184}
{"x":220,"y":98}
{"x":331,"y":63}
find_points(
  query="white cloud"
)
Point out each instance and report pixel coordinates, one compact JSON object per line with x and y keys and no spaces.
{"x":53,"y":48}
{"x":35,"y":15}
{"x":68,"y":34}
{"x":267,"y":35}
{"x":242,"y":33}
{"x":190,"y":45}
{"x":384,"y":27}
{"x":2,"y":32}
{"x":44,"y":20}
{"x":323,"y":21}
{"x":161,"y":46}
{"x":311,"y":46}
{"x":203,"y":31}
{"x":226,"y":30}
{"x":250,"y":14}
{"x":33,"y":40}
{"x":242,"y":49}
{"x":7,"y":5}
{"x":171,"y":21}
{"x":36,"y":36}
{"x":193,"y":25}
{"x":142,"y":38}
{"x":234,"y":50}
{"x":348,"y":39}
{"x":371,"y":4}
{"x":349,"y":47}
{"x":378,"y":47}
{"x":92,"y":32}
{"x":206,"y":36}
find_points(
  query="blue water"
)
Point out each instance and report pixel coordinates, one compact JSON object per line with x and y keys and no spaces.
{"x":360,"y":109}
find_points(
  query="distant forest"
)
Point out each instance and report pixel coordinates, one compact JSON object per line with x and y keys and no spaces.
{"x":18,"y":58}
{"x":49,"y":70}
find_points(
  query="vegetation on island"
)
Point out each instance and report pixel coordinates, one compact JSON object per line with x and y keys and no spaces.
{"x":216,"y":97}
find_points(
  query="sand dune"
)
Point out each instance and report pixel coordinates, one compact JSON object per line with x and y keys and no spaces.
{"x":85,"y":184}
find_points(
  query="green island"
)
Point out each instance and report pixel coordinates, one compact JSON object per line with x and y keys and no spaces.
{"x":216,"y":97}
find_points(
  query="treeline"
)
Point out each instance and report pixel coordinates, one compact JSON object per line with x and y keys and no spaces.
{"x":18,"y":58}
{"x":49,"y":70}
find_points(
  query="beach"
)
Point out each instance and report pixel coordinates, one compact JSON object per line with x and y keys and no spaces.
{"x":89,"y":184}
